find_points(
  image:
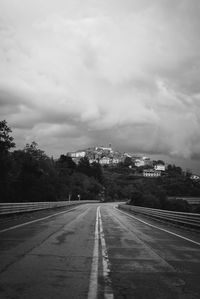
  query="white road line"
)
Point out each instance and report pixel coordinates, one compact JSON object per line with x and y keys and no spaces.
{"x":33,"y":221}
{"x":108,"y":292}
{"x":167,"y":231}
{"x":93,"y":285}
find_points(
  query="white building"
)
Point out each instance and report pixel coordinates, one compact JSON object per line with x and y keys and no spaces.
{"x":104,"y":149}
{"x":129,"y":155}
{"x":143,"y":161}
{"x":139,"y":162}
{"x":104,"y":161}
{"x":159,"y":167}
{"x":92,"y":161}
{"x":195,"y":177}
{"x":115,"y":160}
{"x":78,"y":154}
{"x":151,"y":173}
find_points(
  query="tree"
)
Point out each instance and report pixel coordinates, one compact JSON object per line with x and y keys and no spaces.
{"x":137,"y":198}
{"x":65,"y":168}
{"x":84,"y":166}
{"x":65,"y":165}
{"x":34,"y":176}
{"x":128,"y":161}
{"x":6,"y":143}
{"x":96,"y":172}
{"x":158,"y":162}
{"x":33,"y":151}
{"x":127,"y":191}
{"x":174,"y":171}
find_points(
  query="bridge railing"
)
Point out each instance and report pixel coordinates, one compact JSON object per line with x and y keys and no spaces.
{"x":12,"y":208}
{"x":181,"y":218}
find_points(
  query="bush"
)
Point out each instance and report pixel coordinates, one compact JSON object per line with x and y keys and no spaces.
{"x":151,"y":201}
{"x":137,"y":198}
{"x":179,"y":205}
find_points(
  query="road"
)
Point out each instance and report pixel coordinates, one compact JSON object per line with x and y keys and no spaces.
{"x":96,"y":251}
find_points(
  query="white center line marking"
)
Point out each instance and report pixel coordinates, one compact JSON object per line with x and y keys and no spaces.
{"x":167,"y":231}
{"x":93,"y":286}
{"x":108,"y":292}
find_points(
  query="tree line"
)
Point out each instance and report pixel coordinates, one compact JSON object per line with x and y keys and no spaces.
{"x":28,"y":174}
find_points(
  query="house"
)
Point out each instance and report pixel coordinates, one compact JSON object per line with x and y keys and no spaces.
{"x":139,"y":162}
{"x":151,"y":173}
{"x":102,"y":148}
{"x":129,"y":155}
{"x":77,"y":154}
{"x":143,"y":161}
{"x":195,"y":177}
{"x":104,"y":161}
{"x":93,"y":161}
{"x":115,"y":161}
{"x":159,"y":167}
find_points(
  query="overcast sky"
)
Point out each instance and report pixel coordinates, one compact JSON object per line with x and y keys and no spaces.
{"x":77,"y":73}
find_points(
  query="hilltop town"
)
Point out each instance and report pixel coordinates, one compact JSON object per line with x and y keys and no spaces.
{"x":106,"y":156}
{"x":96,"y":173}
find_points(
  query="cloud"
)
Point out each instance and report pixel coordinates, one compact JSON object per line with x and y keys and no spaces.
{"x":120,"y":72}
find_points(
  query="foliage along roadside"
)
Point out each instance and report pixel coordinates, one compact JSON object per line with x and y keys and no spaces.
{"x":29,"y":174}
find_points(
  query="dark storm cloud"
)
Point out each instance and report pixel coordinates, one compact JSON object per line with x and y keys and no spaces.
{"x":77,"y":73}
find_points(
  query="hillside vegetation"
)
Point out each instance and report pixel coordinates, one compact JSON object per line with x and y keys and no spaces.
{"x":28,"y":174}
{"x":122,"y":183}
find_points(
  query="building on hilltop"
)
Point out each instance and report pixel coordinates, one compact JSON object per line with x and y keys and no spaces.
{"x":151,"y":173}
{"x":139,"y":162}
{"x":143,"y":161}
{"x":109,"y":148}
{"x":99,"y":154}
{"x":104,"y":161}
{"x":107,"y":156}
{"x":129,"y":155}
{"x":195,"y":177}
{"x":77,"y":154}
{"x":160,"y":167}
{"x":116,"y":160}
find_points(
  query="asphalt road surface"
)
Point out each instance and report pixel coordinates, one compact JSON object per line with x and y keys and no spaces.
{"x":96,"y":251}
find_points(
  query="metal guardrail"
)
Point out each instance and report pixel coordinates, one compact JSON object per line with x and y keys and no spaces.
{"x":181,"y":218}
{"x":12,"y":208}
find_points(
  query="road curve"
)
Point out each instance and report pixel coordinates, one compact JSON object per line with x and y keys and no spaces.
{"x":96,"y":251}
